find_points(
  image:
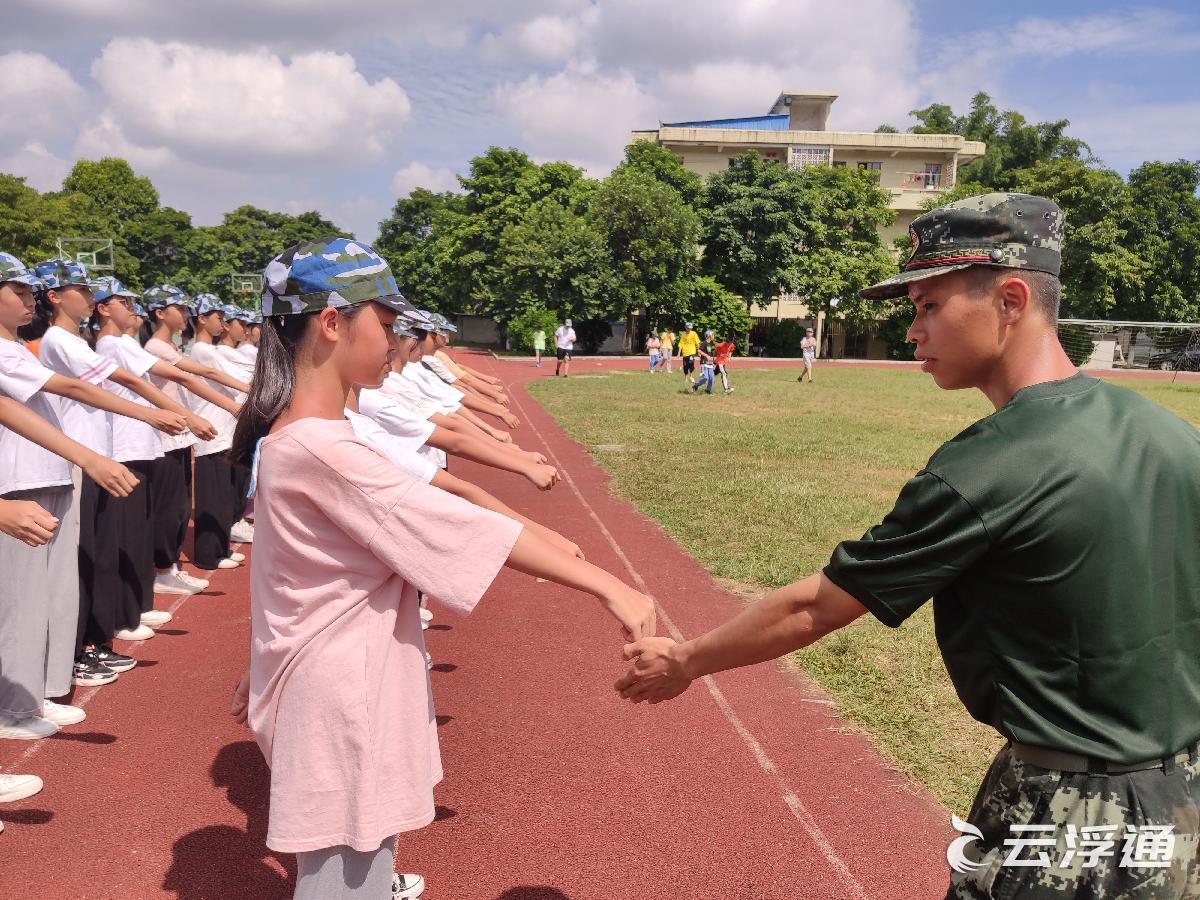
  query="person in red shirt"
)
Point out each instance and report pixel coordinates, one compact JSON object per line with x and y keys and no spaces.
{"x":721,"y":355}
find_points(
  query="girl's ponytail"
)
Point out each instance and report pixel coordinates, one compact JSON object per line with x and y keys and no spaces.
{"x":273,"y":383}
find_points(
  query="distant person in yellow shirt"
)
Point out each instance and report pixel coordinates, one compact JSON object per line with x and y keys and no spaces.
{"x":667,"y":337}
{"x":689,"y":345}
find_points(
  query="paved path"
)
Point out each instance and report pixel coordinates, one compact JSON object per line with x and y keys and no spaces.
{"x":745,"y":787}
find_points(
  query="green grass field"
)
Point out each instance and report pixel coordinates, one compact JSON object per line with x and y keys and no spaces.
{"x":788,"y":470}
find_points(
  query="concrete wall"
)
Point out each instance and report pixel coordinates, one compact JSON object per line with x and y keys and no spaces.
{"x":479,"y":330}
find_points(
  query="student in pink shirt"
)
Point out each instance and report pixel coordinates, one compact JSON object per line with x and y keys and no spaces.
{"x":337,"y":692}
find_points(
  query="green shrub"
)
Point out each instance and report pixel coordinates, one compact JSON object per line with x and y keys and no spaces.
{"x":522,"y":328}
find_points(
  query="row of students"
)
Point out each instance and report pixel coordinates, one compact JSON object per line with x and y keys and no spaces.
{"x":354,"y":508}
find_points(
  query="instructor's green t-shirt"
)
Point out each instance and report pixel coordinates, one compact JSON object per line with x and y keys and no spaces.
{"x":1060,"y":541}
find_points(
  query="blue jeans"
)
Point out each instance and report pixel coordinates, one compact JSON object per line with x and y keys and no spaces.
{"x":706,"y":378}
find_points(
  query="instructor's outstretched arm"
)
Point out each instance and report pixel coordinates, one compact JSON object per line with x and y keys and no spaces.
{"x":790,"y":618}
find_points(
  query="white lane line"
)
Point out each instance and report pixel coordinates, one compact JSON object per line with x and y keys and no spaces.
{"x":89,"y":693}
{"x":793,"y":802}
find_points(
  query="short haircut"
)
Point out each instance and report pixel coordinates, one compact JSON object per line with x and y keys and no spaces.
{"x":1045,"y":289}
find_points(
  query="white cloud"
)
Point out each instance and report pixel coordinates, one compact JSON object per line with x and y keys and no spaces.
{"x":541,"y":39}
{"x":212,"y":105}
{"x":40,"y":168}
{"x":418,"y":175}
{"x":41,"y":98}
{"x":1127,"y":135}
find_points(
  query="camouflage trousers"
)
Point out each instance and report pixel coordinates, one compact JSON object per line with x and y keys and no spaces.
{"x":1089,"y":837}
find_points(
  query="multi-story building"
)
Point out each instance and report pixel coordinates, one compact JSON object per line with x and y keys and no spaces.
{"x":910,"y":167}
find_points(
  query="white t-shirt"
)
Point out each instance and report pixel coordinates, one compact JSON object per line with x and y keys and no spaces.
{"x":413,"y":429}
{"x":564,"y":338}
{"x":439,"y":368}
{"x":432,"y":387}
{"x":394,"y":448}
{"x":132,"y":439}
{"x":249,"y":354}
{"x":166,"y":351}
{"x":68,"y":354}
{"x":25,"y":466}
{"x":405,"y":391}
{"x":208,"y":355}
{"x":238,"y":367}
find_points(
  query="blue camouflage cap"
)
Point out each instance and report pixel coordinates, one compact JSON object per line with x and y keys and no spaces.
{"x":139,"y":310}
{"x":238,"y":314}
{"x":328,"y":272}
{"x":108,"y":286}
{"x":12,"y":269}
{"x":426,"y":322}
{"x":163,"y":295}
{"x":203,"y":304}
{"x":59,"y":272}
{"x":443,"y":324}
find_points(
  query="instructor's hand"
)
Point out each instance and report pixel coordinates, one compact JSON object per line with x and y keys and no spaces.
{"x":657,"y":672}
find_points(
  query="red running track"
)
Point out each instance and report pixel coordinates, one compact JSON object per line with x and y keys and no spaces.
{"x":745,"y":787}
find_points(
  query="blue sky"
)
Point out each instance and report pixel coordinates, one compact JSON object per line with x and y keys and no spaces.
{"x":294,"y":104}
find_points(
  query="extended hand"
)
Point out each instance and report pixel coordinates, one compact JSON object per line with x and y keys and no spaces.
{"x":111,"y":475}
{"x":166,"y":421}
{"x":510,"y":420}
{"x":27,"y":522}
{"x":240,"y":703}
{"x":201,"y":428}
{"x":657,"y":671}
{"x":545,"y":477}
{"x":634,"y":610}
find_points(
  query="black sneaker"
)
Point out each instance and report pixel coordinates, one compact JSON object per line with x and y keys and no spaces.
{"x":89,"y":671}
{"x":118,"y":662}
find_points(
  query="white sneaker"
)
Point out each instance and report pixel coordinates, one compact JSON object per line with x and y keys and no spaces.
{"x":18,"y":787}
{"x":229,"y":563}
{"x":407,"y":887}
{"x":170,"y":583}
{"x":426,"y":614}
{"x":242,"y":532}
{"x":141,"y":633}
{"x":156,"y":618}
{"x":237,"y":557}
{"x":61,"y":714}
{"x":190,"y":579}
{"x":31,"y":728}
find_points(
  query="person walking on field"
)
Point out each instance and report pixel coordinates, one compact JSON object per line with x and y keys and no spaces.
{"x":722,"y":354}
{"x":564,"y":344}
{"x":689,"y":344}
{"x":1057,"y":537}
{"x":539,"y":345}
{"x":808,"y":351}
{"x":654,"y":348}
{"x":667,"y":338}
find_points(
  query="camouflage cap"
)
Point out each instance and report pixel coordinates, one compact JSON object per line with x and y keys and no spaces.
{"x":139,"y":310}
{"x":12,"y":269}
{"x":443,"y":324}
{"x":163,"y":295}
{"x":237,"y":314}
{"x":59,"y":272}
{"x":203,"y":304}
{"x":1013,"y":231}
{"x":328,"y":272}
{"x":108,"y":286}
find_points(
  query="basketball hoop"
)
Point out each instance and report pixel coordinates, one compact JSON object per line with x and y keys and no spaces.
{"x":93,"y":253}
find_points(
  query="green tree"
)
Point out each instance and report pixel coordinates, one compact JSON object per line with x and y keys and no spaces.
{"x":651,"y":236}
{"x":1165,"y":229}
{"x":409,"y":240}
{"x":553,"y":258}
{"x":522,"y":328}
{"x":663,"y":165}
{"x":31,"y":223}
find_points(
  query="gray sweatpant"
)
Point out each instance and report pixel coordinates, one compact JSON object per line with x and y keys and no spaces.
{"x":343,"y":873}
{"x":39,"y":609}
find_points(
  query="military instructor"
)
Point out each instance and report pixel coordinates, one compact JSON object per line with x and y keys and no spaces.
{"x":1060,"y":541}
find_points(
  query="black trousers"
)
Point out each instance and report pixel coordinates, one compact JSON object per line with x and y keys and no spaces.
{"x":171,"y":498}
{"x":214,"y":509}
{"x":99,"y":565}
{"x":241,"y":483}
{"x":135,"y":559}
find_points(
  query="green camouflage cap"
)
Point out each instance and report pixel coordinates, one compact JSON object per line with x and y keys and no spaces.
{"x":1012,"y":231}
{"x":313,"y":275}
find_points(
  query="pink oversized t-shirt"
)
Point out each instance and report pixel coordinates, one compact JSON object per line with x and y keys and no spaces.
{"x":339,"y":694}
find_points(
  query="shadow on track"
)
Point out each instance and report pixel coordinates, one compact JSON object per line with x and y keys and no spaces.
{"x":227,"y":862}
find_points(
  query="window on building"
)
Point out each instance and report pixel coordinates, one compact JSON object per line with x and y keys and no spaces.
{"x":933,"y":175}
{"x":839,"y":164}
{"x":804,"y":155}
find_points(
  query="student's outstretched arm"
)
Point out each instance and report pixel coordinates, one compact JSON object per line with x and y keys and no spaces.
{"x":109,"y":474}
{"x":477,"y":495}
{"x":494,"y":455}
{"x":479,"y":404}
{"x":455,"y":422}
{"x":91,"y":395}
{"x":195,"y":385}
{"x":194,"y":368}
{"x":201,"y":428}
{"x":495,"y":433}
